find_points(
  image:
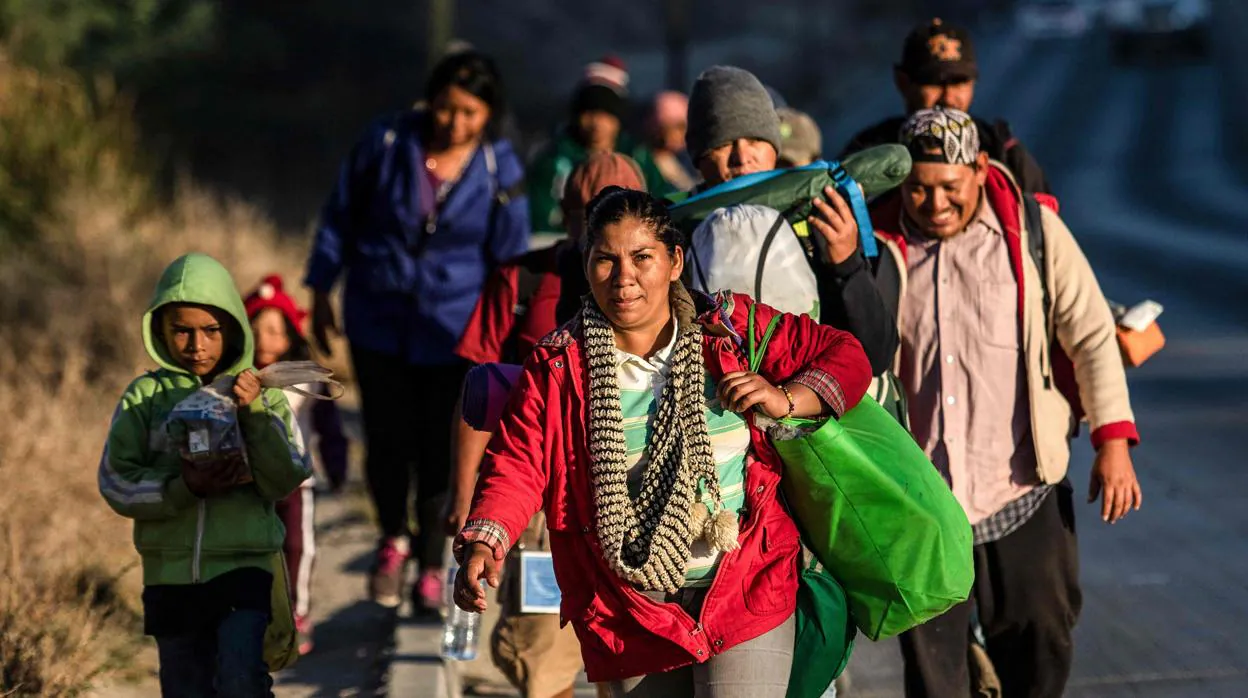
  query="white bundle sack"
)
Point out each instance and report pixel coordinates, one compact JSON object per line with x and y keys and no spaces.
{"x":753,"y":250}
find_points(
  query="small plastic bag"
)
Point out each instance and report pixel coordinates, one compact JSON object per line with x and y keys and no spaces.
{"x":204,"y":426}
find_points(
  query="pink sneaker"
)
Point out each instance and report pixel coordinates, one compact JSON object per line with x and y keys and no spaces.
{"x":430,"y":588}
{"x":303,"y":626}
{"x":385,"y":583}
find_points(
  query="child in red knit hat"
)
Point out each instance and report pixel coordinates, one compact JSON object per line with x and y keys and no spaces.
{"x":277,"y":322}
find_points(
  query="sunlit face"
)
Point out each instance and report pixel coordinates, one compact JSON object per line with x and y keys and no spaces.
{"x":195,"y":336}
{"x":599,"y":130}
{"x":459,"y":117}
{"x":736,"y":158}
{"x":272,"y":339}
{"x":950,"y":95}
{"x":942,"y":199}
{"x":630,"y":274}
{"x":672,"y":137}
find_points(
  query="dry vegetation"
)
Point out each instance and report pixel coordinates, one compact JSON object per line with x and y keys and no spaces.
{"x":77,"y":265}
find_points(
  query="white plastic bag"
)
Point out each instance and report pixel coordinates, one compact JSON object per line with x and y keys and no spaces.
{"x":753,"y":250}
{"x":203,"y":427}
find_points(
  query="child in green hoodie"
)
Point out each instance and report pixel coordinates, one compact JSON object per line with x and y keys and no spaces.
{"x":207,"y":535}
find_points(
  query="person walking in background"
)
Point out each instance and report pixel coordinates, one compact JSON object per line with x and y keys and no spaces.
{"x":599,"y":108}
{"x":633,"y":428}
{"x":539,"y":657}
{"x":426,"y":206}
{"x":666,"y":125}
{"x":207,"y":531}
{"x":734,"y":130}
{"x":938,"y":68}
{"x":276,"y":322}
{"x":801,"y":143}
{"x":519,"y":304}
{"x":980,"y":321}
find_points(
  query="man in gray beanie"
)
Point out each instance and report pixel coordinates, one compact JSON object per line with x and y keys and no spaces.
{"x":733,"y":125}
{"x":734,"y":130}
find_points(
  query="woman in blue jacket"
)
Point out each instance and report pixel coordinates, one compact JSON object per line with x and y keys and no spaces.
{"x":426,"y":205}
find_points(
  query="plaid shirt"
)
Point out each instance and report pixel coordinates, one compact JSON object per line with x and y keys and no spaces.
{"x":1015,"y":514}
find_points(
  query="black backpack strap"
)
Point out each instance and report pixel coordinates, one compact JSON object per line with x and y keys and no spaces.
{"x":527,"y":281}
{"x":499,"y":196}
{"x":762,"y":255}
{"x":699,"y":268}
{"x":1035,"y":245}
{"x":1034,"y":221}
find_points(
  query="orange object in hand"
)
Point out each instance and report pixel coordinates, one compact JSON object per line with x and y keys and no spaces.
{"x":1138,"y":347}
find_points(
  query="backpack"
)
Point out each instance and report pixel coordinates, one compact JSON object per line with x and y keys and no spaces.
{"x":753,"y":250}
{"x":861,"y":176}
{"x":527,"y":281}
{"x":1063,"y":369}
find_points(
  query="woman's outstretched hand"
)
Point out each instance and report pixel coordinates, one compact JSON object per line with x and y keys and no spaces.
{"x":480,"y":564}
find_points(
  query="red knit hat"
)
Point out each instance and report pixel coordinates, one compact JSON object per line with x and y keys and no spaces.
{"x":269,"y":294}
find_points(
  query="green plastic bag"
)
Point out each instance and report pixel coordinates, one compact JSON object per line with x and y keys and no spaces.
{"x":881,"y":518}
{"x":825,"y":636}
{"x":877,"y":514}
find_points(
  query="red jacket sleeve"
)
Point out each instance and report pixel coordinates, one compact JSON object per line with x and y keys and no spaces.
{"x":514,"y":474}
{"x":492,"y":320}
{"x":826,"y":360}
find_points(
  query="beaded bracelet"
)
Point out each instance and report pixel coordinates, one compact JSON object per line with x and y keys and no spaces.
{"x":788,"y":396}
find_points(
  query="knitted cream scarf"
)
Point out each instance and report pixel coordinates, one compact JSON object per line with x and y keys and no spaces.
{"x":647,"y":541}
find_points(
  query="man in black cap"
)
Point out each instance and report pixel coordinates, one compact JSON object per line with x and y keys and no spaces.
{"x":938,"y":69}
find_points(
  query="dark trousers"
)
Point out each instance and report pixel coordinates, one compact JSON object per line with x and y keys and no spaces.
{"x":1028,"y":598}
{"x":407,"y":426}
{"x":221,"y":661}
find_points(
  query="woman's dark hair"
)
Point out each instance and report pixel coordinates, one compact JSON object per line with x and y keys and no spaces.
{"x":614,"y":204}
{"x":299,"y":349}
{"x":474,"y":73}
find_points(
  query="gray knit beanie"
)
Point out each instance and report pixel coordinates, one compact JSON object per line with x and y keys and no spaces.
{"x":729,"y":103}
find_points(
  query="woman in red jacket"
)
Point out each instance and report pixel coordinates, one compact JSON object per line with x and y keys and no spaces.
{"x":633,"y":426}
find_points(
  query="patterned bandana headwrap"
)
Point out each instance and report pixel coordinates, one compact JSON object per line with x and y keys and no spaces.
{"x":946,"y":136}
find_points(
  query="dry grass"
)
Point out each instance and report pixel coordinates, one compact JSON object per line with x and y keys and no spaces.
{"x":70,"y":304}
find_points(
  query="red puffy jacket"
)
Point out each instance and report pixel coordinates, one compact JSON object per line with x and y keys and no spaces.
{"x":539,"y":458}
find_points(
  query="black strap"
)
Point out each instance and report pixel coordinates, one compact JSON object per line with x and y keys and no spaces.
{"x":498,"y":374}
{"x":762,"y":256}
{"x":1035,"y":239}
{"x":699,"y":269}
{"x":1035,"y":246}
{"x":527,"y":281}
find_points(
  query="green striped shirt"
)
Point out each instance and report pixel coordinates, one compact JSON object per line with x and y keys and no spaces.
{"x":641,"y":383}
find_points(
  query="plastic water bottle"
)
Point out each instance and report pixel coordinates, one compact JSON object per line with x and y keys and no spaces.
{"x":460,"y":628}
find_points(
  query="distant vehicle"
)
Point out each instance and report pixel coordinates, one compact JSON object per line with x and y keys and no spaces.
{"x":1047,"y":19}
{"x":1154,"y":28}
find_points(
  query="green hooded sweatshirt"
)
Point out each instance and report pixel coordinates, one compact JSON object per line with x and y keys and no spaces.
{"x":184,"y":539}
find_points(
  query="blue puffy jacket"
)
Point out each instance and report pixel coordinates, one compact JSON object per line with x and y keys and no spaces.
{"x":415,"y":269}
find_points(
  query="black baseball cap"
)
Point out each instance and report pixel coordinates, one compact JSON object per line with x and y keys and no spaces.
{"x":936,"y":53}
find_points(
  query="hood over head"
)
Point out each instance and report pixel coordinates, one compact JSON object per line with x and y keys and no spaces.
{"x":198,"y":278}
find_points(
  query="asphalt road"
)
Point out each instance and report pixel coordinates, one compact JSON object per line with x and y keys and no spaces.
{"x":1137,"y":157}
